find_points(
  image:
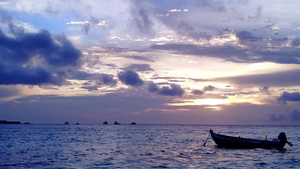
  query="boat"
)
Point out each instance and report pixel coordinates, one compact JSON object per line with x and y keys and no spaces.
{"x":225,"y":141}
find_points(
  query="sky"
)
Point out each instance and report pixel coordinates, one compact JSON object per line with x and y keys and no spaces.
{"x":150,"y":62}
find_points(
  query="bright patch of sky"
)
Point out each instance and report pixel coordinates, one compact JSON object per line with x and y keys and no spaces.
{"x":188,"y":57}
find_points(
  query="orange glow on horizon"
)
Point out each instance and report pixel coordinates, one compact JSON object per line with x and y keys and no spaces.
{"x":207,"y":102}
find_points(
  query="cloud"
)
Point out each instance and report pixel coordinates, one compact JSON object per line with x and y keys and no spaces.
{"x":292,"y":116}
{"x":152,"y":87}
{"x":172,"y":90}
{"x":286,"y":96}
{"x":295,"y":42}
{"x":130,"y":78}
{"x":246,"y":36}
{"x":295,"y":115}
{"x":99,"y":79}
{"x":88,"y":24}
{"x":5,"y":17}
{"x":107,"y":79}
{"x":225,"y":52}
{"x":184,"y":28}
{"x":249,"y":48}
{"x":280,"y":117}
{"x":8,"y":91}
{"x":209,"y":88}
{"x":197,"y":92}
{"x":80,"y":75}
{"x":58,"y":109}
{"x":215,"y":5}
{"x":142,"y":58}
{"x":141,"y":19}
{"x":30,"y":76}
{"x":35,"y":58}
{"x":287,"y":78}
{"x":139,"y":67}
{"x":51,"y":9}
{"x":90,"y":88}
{"x":264,"y":89}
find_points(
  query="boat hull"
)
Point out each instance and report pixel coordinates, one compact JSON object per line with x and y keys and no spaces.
{"x":244,"y":143}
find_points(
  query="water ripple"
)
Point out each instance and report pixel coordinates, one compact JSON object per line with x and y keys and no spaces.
{"x":139,"y":146}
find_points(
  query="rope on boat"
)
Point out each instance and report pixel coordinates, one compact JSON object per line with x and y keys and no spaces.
{"x":206,"y":139}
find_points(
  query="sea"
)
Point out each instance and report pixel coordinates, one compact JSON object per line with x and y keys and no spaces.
{"x":140,"y":146}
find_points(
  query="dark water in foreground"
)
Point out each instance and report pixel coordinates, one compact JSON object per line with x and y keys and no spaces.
{"x":139,"y":146}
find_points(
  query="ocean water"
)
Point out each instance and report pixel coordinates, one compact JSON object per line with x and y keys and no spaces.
{"x":140,"y":146}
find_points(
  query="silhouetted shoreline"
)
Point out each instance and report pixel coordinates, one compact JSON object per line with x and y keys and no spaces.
{"x":9,"y":122}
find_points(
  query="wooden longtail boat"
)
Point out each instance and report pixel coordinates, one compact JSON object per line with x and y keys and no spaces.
{"x":246,"y":143}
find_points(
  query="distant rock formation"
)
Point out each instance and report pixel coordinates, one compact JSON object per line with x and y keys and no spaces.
{"x":133,"y":123}
{"x":77,"y":124}
{"x":116,"y":123}
{"x":66,"y":123}
{"x":9,"y":122}
{"x":27,"y":123}
{"x":105,"y":123}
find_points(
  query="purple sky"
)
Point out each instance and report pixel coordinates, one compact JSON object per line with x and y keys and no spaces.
{"x":152,"y":62}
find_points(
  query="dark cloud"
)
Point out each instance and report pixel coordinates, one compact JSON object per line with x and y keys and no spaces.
{"x":92,"y":22}
{"x":107,"y":79}
{"x":295,"y":115}
{"x":185,"y":29}
{"x":86,"y":83}
{"x":295,"y":42}
{"x":139,"y":67}
{"x":209,"y":88}
{"x":172,"y":90}
{"x":197,"y":92}
{"x":100,"y":79}
{"x":246,"y":36}
{"x":80,"y":75}
{"x":35,"y":58}
{"x":30,"y":76}
{"x":90,"y":88}
{"x":142,"y":18}
{"x":286,"y":96}
{"x":130,"y":78}
{"x":152,"y":87}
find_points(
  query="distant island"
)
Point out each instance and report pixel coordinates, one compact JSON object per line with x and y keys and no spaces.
{"x":116,"y":123}
{"x":9,"y":122}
